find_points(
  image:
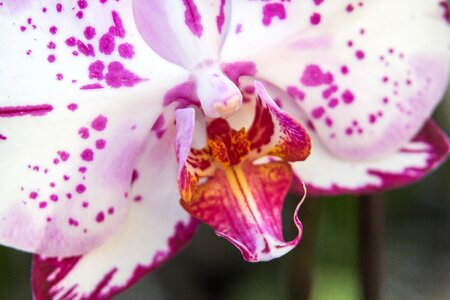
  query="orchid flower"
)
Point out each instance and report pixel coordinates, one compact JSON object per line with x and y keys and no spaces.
{"x":111,"y":111}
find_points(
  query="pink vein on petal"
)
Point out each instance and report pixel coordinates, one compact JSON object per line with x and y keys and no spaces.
{"x":192,"y":18}
{"x":20,"y":111}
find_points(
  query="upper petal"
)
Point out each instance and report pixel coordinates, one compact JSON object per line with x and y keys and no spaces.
{"x":367,"y":76}
{"x":188,"y":33}
{"x":154,"y":229}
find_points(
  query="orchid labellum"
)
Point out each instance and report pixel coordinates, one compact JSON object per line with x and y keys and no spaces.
{"x":113,"y":111}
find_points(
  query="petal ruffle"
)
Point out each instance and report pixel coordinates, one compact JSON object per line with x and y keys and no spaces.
{"x":365,"y":80}
{"x":243,"y":204}
{"x":413,"y":161}
{"x":188,"y":33}
{"x":154,"y":229}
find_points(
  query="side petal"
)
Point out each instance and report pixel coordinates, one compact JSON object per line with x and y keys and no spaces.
{"x":367,"y":75}
{"x":65,"y":164}
{"x":188,"y":33}
{"x":243,"y":204}
{"x":56,"y":48}
{"x":154,"y":229}
{"x":409,"y":164}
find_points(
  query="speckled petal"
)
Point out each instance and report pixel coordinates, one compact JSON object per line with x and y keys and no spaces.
{"x":367,"y":75}
{"x":409,"y":164}
{"x":154,"y":229}
{"x":189,"y":33}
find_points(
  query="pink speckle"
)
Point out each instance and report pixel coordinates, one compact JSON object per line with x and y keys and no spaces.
{"x":359,"y":54}
{"x":87,"y":154}
{"x":192,"y":18}
{"x":134,"y":176}
{"x":100,"y":144}
{"x":82,"y":4}
{"x":318,"y":112}
{"x":138,"y":198}
{"x":51,"y":58}
{"x":23,"y":28}
{"x":111,"y":210}
{"x":238,"y":28}
{"x":372,"y":118}
{"x":99,"y":123}
{"x":118,"y":29}
{"x":89,"y":32}
{"x":81,"y":188}
{"x":349,"y":131}
{"x":51,"y":45}
{"x":272,"y":10}
{"x":107,"y":44}
{"x":59,"y":76}
{"x":333,"y":103}
{"x":71,"y":41}
{"x":33,"y":195}
{"x":53,"y":30}
{"x":85,"y":204}
{"x":126,"y":50}
{"x":315,"y":19}
{"x":348,"y":97}
{"x":118,"y":76}
{"x":42,"y":204}
{"x":69,"y":196}
{"x":59,"y":7}
{"x":313,"y":76}
{"x":72,"y":106}
{"x":328,"y":121}
{"x":349,"y":8}
{"x":100,"y":217}
{"x":63,"y":155}
{"x":220,"y":19}
{"x":54,"y":198}
{"x":73,"y":222}
{"x":84,"y":133}
{"x":66,"y":178}
{"x":93,"y":86}
{"x":79,"y":15}
{"x":87,"y":50}
{"x":344,"y":70}
{"x":56,"y":161}
{"x":96,"y":70}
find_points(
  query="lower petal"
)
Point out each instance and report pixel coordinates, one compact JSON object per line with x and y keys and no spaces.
{"x":155,"y":229}
{"x":409,"y":164}
{"x":244,"y":204}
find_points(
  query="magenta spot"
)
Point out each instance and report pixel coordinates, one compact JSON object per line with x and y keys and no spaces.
{"x":81,"y":188}
{"x":372,"y":118}
{"x":349,"y":131}
{"x":51,"y":58}
{"x":52,"y":184}
{"x":100,"y":144}
{"x":317,"y":112}
{"x":54,"y":198}
{"x":69,"y":196}
{"x":313,"y":76}
{"x":84,"y":133}
{"x":118,"y":29}
{"x":238,"y":28}
{"x":348,"y":97}
{"x":59,"y":7}
{"x":66,"y":178}
{"x":99,"y":123}
{"x":53,"y":30}
{"x":56,"y":161}
{"x":63,"y":155}
{"x":89,"y":32}
{"x":85,"y":204}
{"x":51,"y":45}
{"x":192,"y":18}
{"x":359,"y":54}
{"x":126,"y":50}
{"x":71,"y":41}
{"x":23,"y":28}
{"x":73,"y":222}
{"x":82,"y":4}
{"x":107,"y":44}
{"x":42,"y":204}
{"x":333,"y":103}
{"x":100,"y":217}
{"x":272,"y":10}
{"x":315,"y":19}
{"x":328,"y":122}
{"x":72,"y":106}
{"x":87,"y":50}
{"x":111,"y":210}
{"x":20,"y":111}
{"x":138,"y":198}
{"x":344,"y":70}
{"x":295,"y":93}
{"x":59,"y":76}
{"x":318,"y":2}
{"x":118,"y":76}
{"x":93,"y":86}
{"x":349,"y":8}
{"x":33,"y":195}
{"x":96,"y":70}
{"x":134,"y":176}
{"x":87,"y":155}
{"x":220,"y":19}
{"x":2,"y":137}
{"x":79,"y":15}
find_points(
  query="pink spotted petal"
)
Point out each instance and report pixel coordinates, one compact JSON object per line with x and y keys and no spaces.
{"x":154,"y":229}
{"x":243,"y":204}
{"x":189,"y":33}
{"x":367,"y":76}
{"x":410,"y":163}
{"x":57,"y":48}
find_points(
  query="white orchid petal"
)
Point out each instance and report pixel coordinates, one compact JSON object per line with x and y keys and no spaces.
{"x":154,"y":229}
{"x":366,"y":76}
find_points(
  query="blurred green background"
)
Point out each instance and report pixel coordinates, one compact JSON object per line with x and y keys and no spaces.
{"x":416,"y":253}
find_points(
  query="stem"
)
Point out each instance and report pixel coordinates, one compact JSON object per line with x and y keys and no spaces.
{"x":302,"y":260}
{"x":371,"y":227}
